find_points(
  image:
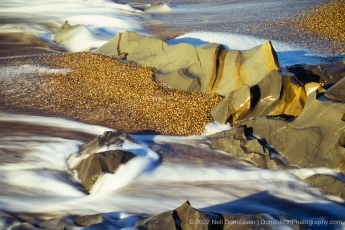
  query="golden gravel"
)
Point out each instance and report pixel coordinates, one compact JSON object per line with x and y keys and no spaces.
{"x":101,"y":90}
{"x":327,"y":19}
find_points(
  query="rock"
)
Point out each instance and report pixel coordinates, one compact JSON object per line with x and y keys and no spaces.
{"x":105,"y":140}
{"x":70,"y":37}
{"x":187,"y":217}
{"x":336,"y":92}
{"x":276,"y":95}
{"x":206,"y":68}
{"x":97,"y":164}
{"x":265,"y":95}
{"x":85,"y":221}
{"x":328,"y":184}
{"x":192,"y":218}
{"x":292,"y":98}
{"x":316,"y":138}
{"x":57,"y":223}
{"x":92,"y":161}
{"x":311,"y":87}
{"x":326,"y":74}
{"x":240,"y":144}
{"x":236,"y":104}
{"x":166,"y":220}
{"x":180,"y":65}
{"x":238,"y":68}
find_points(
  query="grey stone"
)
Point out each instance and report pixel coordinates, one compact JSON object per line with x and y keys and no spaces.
{"x":328,"y":184}
{"x":106,"y":139}
{"x":97,"y":164}
{"x":88,"y":220}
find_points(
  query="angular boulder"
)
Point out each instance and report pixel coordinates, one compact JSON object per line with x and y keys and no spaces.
{"x":277,"y":94}
{"x":316,"y":138}
{"x":336,"y":92}
{"x":91,"y":163}
{"x":105,"y":140}
{"x":187,"y":217}
{"x":97,"y":164}
{"x":241,"y":144}
{"x":235,"y":105}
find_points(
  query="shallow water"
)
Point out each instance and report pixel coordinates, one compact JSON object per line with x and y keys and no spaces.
{"x":176,"y":170}
{"x":34,"y":174}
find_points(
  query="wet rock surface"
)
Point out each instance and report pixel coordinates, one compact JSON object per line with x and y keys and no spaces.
{"x":328,"y":184}
{"x":92,"y":163}
{"x":105,"y":140}
{"x":304,"y":127}
{"x":187,"y":217}
{"x":85,"y":221}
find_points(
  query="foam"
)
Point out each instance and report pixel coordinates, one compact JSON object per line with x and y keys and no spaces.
{"x":17,"y":71}
{"x":126,"y":173}
{"x":103,"y":18}
{"x":287,"y":53}
{"x":55,"y":122}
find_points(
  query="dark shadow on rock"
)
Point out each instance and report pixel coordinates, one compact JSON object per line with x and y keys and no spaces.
{"x":255,"y":96}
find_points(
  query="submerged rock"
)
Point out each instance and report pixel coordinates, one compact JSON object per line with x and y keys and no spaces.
{"x":97,"y":164}
{"x":88,"y":220}
{"x":76,"y":38}
{"x":91,"y":163}
{"x":328,"y":184}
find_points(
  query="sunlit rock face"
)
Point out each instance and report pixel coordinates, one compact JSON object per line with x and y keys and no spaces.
{"x":282,"y":117}
{"x":314,"y":139}
{"x":206,"y":68}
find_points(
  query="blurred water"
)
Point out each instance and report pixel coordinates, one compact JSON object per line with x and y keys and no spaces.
{"x":34,"y":175}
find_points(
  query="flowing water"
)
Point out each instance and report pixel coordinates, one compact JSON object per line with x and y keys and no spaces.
{"x":34,"y":175}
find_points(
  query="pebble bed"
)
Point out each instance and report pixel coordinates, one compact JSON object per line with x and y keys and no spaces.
{"x":100,"y":90}
{"x":327,"y":19}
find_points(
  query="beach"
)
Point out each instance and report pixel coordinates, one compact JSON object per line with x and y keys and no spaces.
{"x":64,"y":101}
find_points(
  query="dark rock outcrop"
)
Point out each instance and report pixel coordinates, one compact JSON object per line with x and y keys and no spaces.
{"x":240,"y":143}
{"x":97,"y":164}
{"x":106,"y":139}
{"x":90,"y":164}
{"x":315,"y":139}
{"x":187,"y":217}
